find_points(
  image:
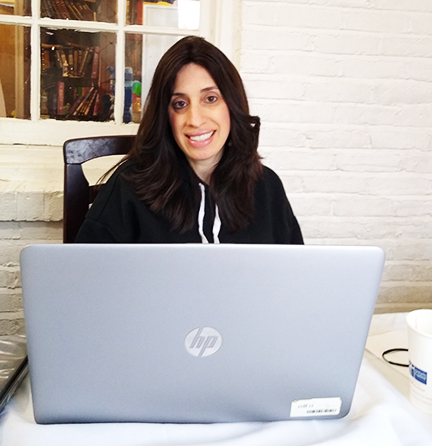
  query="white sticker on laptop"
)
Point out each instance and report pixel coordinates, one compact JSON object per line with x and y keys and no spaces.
{"x":316,"y":407}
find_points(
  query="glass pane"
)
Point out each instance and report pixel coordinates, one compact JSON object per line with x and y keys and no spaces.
{"x":133,"y":78}
{"x":15,"y":7}
{"x":143,"y":53}
{"x":89,"y":10}
{"x":15,"y":71}
{"x":77,"y":75}
{"x":182,"y":14}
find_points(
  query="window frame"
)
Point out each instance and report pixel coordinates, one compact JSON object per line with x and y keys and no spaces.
{"x":219,"y":24}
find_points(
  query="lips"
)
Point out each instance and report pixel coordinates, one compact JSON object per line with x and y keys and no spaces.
{"x":202,"y":137}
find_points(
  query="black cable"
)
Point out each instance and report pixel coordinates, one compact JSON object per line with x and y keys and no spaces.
{"x":392,"y":350}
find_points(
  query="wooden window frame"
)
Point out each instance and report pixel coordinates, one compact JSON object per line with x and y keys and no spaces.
{"x":219,"y":23}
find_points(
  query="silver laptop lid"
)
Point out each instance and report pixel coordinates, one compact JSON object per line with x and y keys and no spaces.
{"x":196,"y":333}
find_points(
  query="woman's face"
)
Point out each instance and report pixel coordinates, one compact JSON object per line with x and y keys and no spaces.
{"x":199,"y":118}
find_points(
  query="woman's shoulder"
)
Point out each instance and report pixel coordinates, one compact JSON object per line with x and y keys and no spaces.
{"x":124,"y":168}
{"x":117,"y":177}
{"x":113,"y":188}
{"x":270,"y":187}
{"x":270,"y":178}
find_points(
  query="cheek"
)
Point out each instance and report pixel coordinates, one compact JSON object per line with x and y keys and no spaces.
{"x":226,"y":122}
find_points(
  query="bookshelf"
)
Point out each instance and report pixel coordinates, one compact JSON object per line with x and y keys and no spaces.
{"x":75,"y":80}
{"x":84,"y":10}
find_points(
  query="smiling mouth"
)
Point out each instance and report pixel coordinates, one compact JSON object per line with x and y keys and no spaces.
{"x":202,"y":137}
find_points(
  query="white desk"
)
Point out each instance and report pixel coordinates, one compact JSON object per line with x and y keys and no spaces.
{"x":381,"y":415}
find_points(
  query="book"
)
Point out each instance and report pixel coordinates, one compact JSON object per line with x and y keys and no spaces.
{"x":86,"y":12}
{"x":73,"y":11}
{"x":83,"y":62}
{"x":89,"y":102}
{"x":75,"y":59}
{"x":45,"y":9}
{"x":74,"y":106}
{"x":95,"y":66}
{"x":46,"y":62}
{"x":70,"y":60}
{"x":87,"y":64}
{"x":61,"y":56}
{"x":97,"y":105}
{"x":61,"y":10}
{"x":68,"y":9}
{"x":60,"y":97}
{"x":57,"y":59}
{"x":81,"y":106}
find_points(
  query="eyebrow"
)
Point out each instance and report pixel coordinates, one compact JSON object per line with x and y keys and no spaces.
{"x":204,"y":90}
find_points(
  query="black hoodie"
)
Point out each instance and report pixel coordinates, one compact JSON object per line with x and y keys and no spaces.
{"x":119,"y":216}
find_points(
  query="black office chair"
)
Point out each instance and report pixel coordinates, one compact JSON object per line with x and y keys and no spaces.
{"x":78,"y":194}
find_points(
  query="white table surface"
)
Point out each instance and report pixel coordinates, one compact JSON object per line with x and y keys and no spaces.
{"x":381,"y":415}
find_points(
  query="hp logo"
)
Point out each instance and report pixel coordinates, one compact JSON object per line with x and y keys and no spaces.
{"x":203,"y":341}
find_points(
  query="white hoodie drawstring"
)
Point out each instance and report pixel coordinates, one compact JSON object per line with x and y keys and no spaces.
{"x":216,"y":223}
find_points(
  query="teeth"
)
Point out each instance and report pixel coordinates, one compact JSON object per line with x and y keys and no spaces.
{"x":201,"y":137}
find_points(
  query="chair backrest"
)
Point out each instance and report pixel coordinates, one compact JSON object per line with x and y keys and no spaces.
{"x":78,"y":194}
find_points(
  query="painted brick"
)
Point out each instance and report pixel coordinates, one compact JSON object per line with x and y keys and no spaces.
{"x":277,"y":87}
{"x":295,"y":160}
{"x":255,"y":13}
{"x":347,"y":43}
{"x":407,"y":46}
{"x":273,"y":136}
{"x":401,"y":92}
{"x":296,"y":111}
{"x":10,"y":301}
{"x":408,"y":272}
{"x":380,"y":206}
{"x":304,"y":64}
{"x":303,"y":16}
{"x":310,"y":205}
{"x":369,"y":229}
{"x":358,"y":183}
{"x":380,"y":22}
{"x":367,"y":67}
{"x":253,"y":63}
{"x":277,"y":38}
{"x":412,"y":5}
{"x":338,"y":90}
{"x":404,"y":137}
{"x":365,"y":114}
{"x":9,"y":277}
{"x":330,"y":136}
{"x":12,"y":325}
{"x":368,"y":160}
{"x":30,"y":231}
{"x":406,"y":293}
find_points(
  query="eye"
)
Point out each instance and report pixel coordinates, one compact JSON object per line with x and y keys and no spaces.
{"x":211,"y":99}
{"x":179,"y":105}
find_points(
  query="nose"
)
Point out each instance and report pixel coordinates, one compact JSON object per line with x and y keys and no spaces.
{"x":195,"y":115}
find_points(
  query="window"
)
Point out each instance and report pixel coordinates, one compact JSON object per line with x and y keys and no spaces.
{"x":60,"y":61}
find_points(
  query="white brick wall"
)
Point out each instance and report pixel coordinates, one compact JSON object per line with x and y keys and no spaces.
{"x":344,"y":91}
{"x":31,"y":183}
{"x":14,"y":235}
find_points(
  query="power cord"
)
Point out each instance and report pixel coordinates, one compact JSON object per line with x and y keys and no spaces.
{"x":392,"y":350}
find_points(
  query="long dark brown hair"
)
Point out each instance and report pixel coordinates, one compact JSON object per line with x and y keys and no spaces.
{"x":157,"y":179}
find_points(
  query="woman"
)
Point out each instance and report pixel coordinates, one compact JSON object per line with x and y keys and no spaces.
{"x":194,"y":174}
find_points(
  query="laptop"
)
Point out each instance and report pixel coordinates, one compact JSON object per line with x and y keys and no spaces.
{"x":196,"y":333}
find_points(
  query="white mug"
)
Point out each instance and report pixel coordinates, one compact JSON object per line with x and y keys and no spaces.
{"x":420,"y":358}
